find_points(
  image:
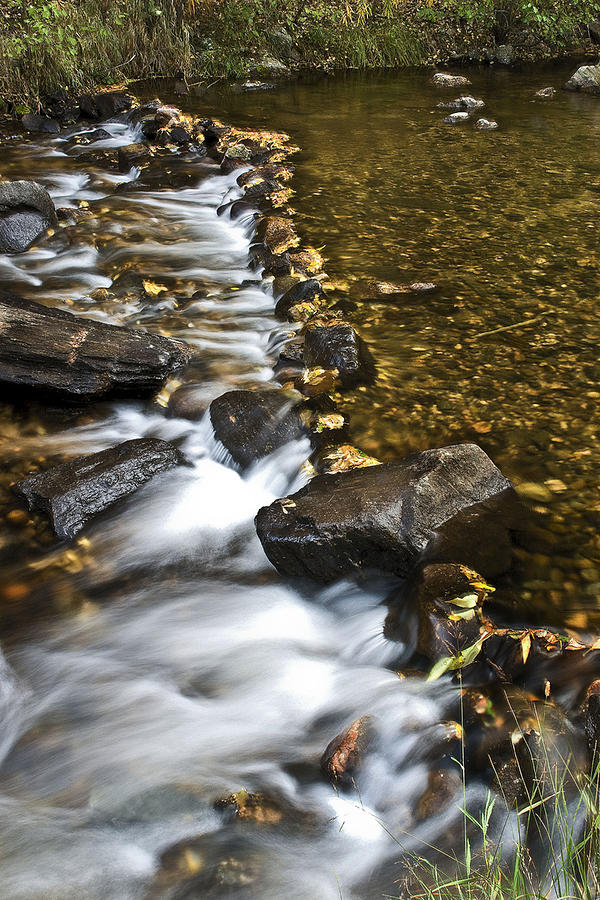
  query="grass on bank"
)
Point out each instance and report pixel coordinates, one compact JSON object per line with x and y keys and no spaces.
{"x":50,"y":44}
{"x":553,"y":853}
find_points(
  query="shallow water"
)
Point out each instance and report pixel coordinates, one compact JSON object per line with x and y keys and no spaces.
{"x":160,"y":663}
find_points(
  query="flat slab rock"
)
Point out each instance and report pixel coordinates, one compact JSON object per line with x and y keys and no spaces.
{"x":52,"y":351}
{"x":252,"y":424}
{"x":447,"y":505}
{"x":74,"y":492}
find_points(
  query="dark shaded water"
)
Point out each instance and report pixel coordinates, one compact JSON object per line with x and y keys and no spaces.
{"x":159,"y":663}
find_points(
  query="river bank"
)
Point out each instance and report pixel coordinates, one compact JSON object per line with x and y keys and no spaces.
{"x":47,"y":47}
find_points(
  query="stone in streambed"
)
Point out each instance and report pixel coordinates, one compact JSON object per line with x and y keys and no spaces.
{"x":302,"y":292}
{"x":546,"y":93}
{"x":190,"y":401}
{"x":252,"y":424}
{"x":33,"y":122}
{"x":26,"y":212}
{"x":586,"y":79}
{"x":132,"y":155}
{"x":344,"y":755}
{"x":338,"y":346}
{"x":74,"y":492}
{"x":486,"y":125}
{"x":456,"y":118}
{"x":462,"y":103}
{"x":449,"y":504}
{"x":105,"y":104}
{"x":50,"y":351}
{"x":592,"y":722}
{"x":448,"y":600}
{"x":443,"y":79}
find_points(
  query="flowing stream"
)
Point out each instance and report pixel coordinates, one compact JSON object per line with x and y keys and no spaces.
{"x":161,"y":664}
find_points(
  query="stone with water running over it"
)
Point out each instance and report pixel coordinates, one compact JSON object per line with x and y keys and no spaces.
{"x":445,"y":505}
{"x":252,"y":424}
{"x":76,"y":491}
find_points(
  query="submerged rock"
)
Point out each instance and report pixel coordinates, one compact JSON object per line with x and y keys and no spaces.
{"x":344,"y":755}
{"x":252,"y":424}
{"x":586,"y":79}
{"x":52,"y":351}
{"x":451,"y":504}
{"x":32,"y":122}
{"x":443,"y":79}
{"x":74,"y":492}
{"x":338,"y":346}
{"x":382,"y":290}
{"x":26,"y":212}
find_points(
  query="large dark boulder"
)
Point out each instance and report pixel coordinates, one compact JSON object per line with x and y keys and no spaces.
{"x":74,"y":492}
{"x":26,"y":211}
{"x":585,"y":79}
{"x":447,"y":505}
{"x":51,"y":351}
{"x":338,"y":346}
{"x":33,"y":122}
{"x":251,"y":424}
{"x":105,"y":104}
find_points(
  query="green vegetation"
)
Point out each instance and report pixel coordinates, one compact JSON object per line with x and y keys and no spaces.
{"x":46,"y":44}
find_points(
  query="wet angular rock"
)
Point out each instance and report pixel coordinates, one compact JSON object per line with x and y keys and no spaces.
{"x":252,"y":424}
{"x":546,"y":93}
{"x":73,"y":493}
{"x":338,"y":346}
{"x":344,"y":755}
{"x":47,"y":350}
{"x":33,"y":122}
{"x":302,"y":292}
{"x":443,"y":79}
{"x":26,"y":212}
{"x":586,"y":79}
{"x":444,"y":505}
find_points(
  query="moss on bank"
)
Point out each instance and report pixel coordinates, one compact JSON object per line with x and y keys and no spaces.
{"x":51,"y":44}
